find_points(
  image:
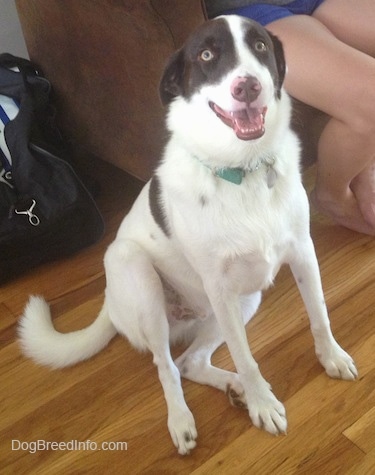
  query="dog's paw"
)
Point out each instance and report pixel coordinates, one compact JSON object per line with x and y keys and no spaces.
{"x":338,"y":364}
{"x":183,"y":432}
{"x":236,"y":396}
{"x":268,"y":413}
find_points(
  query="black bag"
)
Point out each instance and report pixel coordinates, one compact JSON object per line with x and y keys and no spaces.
{"x":45,"y":211}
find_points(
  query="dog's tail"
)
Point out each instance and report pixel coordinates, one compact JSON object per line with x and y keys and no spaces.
{"x":40,"y":341}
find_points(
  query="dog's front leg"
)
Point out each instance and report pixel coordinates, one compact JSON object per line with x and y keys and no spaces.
{"x":264,"y":409}
{"x":136,"y":304}
{"x":304,"y":266}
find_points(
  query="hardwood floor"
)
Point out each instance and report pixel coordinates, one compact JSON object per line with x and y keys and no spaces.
{"x":116,"y":396}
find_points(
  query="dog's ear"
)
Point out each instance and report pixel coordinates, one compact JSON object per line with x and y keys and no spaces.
{"x":280,"y":61}
{"x":171,"y":83}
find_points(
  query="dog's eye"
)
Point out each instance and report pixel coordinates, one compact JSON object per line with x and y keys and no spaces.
{"x":206,"y":55}
{"x":260,"y":46}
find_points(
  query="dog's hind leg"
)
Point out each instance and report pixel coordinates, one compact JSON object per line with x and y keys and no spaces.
{"x":136,"y":306}
{"x":195,"y":362}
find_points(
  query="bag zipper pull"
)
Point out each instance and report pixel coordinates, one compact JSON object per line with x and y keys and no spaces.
{"x":33,"y":218}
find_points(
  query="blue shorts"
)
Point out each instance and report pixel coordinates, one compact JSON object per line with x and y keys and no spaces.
{"x":264,"y":13}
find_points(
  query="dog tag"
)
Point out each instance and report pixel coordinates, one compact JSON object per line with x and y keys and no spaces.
{"x":233,"y":175}
{"x":271,"y":177}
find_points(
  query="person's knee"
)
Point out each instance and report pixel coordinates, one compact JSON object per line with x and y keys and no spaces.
{"x":360,"y":118}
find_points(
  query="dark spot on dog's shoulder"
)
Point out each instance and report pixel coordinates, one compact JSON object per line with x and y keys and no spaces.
{"x":203,"y":200}
{"x":156,"y":205}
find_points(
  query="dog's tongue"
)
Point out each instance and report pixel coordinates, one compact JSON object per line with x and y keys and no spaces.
{"x":248,"y":124}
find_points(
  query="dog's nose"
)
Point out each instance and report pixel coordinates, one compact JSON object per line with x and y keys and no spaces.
{"x":246,"y":89}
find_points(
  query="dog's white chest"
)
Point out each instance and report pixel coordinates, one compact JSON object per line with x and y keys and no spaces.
{"x":241,"y":239}
{"x":250,"y":273}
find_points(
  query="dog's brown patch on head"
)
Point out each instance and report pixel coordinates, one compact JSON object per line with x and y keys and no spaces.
{"x":207,"y":56}
{"x":271,"y":55}
{"x":210,"y":53}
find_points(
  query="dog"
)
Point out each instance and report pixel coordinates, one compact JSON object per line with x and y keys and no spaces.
{"x":224,"y":209}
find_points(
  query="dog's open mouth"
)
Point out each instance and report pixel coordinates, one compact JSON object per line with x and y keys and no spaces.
{"x":248,"y":124}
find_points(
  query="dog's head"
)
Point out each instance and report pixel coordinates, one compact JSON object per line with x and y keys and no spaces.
{"x":230,"y":68}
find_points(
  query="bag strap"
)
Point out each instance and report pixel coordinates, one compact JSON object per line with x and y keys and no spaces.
{"x":9,"y":61}
{"x":19,"y":75}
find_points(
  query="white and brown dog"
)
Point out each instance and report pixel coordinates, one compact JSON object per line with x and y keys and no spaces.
{"x":223,"y":211}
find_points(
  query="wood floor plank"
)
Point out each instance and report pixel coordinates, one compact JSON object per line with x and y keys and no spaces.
{"x":318,"y":411}
{"x":336,"y":458}
{"x":362,"y":432}
{"x":366,"y":467}
{"x":7,"y":320}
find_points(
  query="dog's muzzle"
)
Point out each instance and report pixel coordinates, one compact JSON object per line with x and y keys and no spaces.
{"x":248,"y":124}
{"x":248,"y":121}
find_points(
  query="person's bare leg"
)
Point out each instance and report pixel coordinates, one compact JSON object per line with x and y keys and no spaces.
{"x":355,"y":27}
{"x":350,"y":22}
{"x":338,"y":79}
